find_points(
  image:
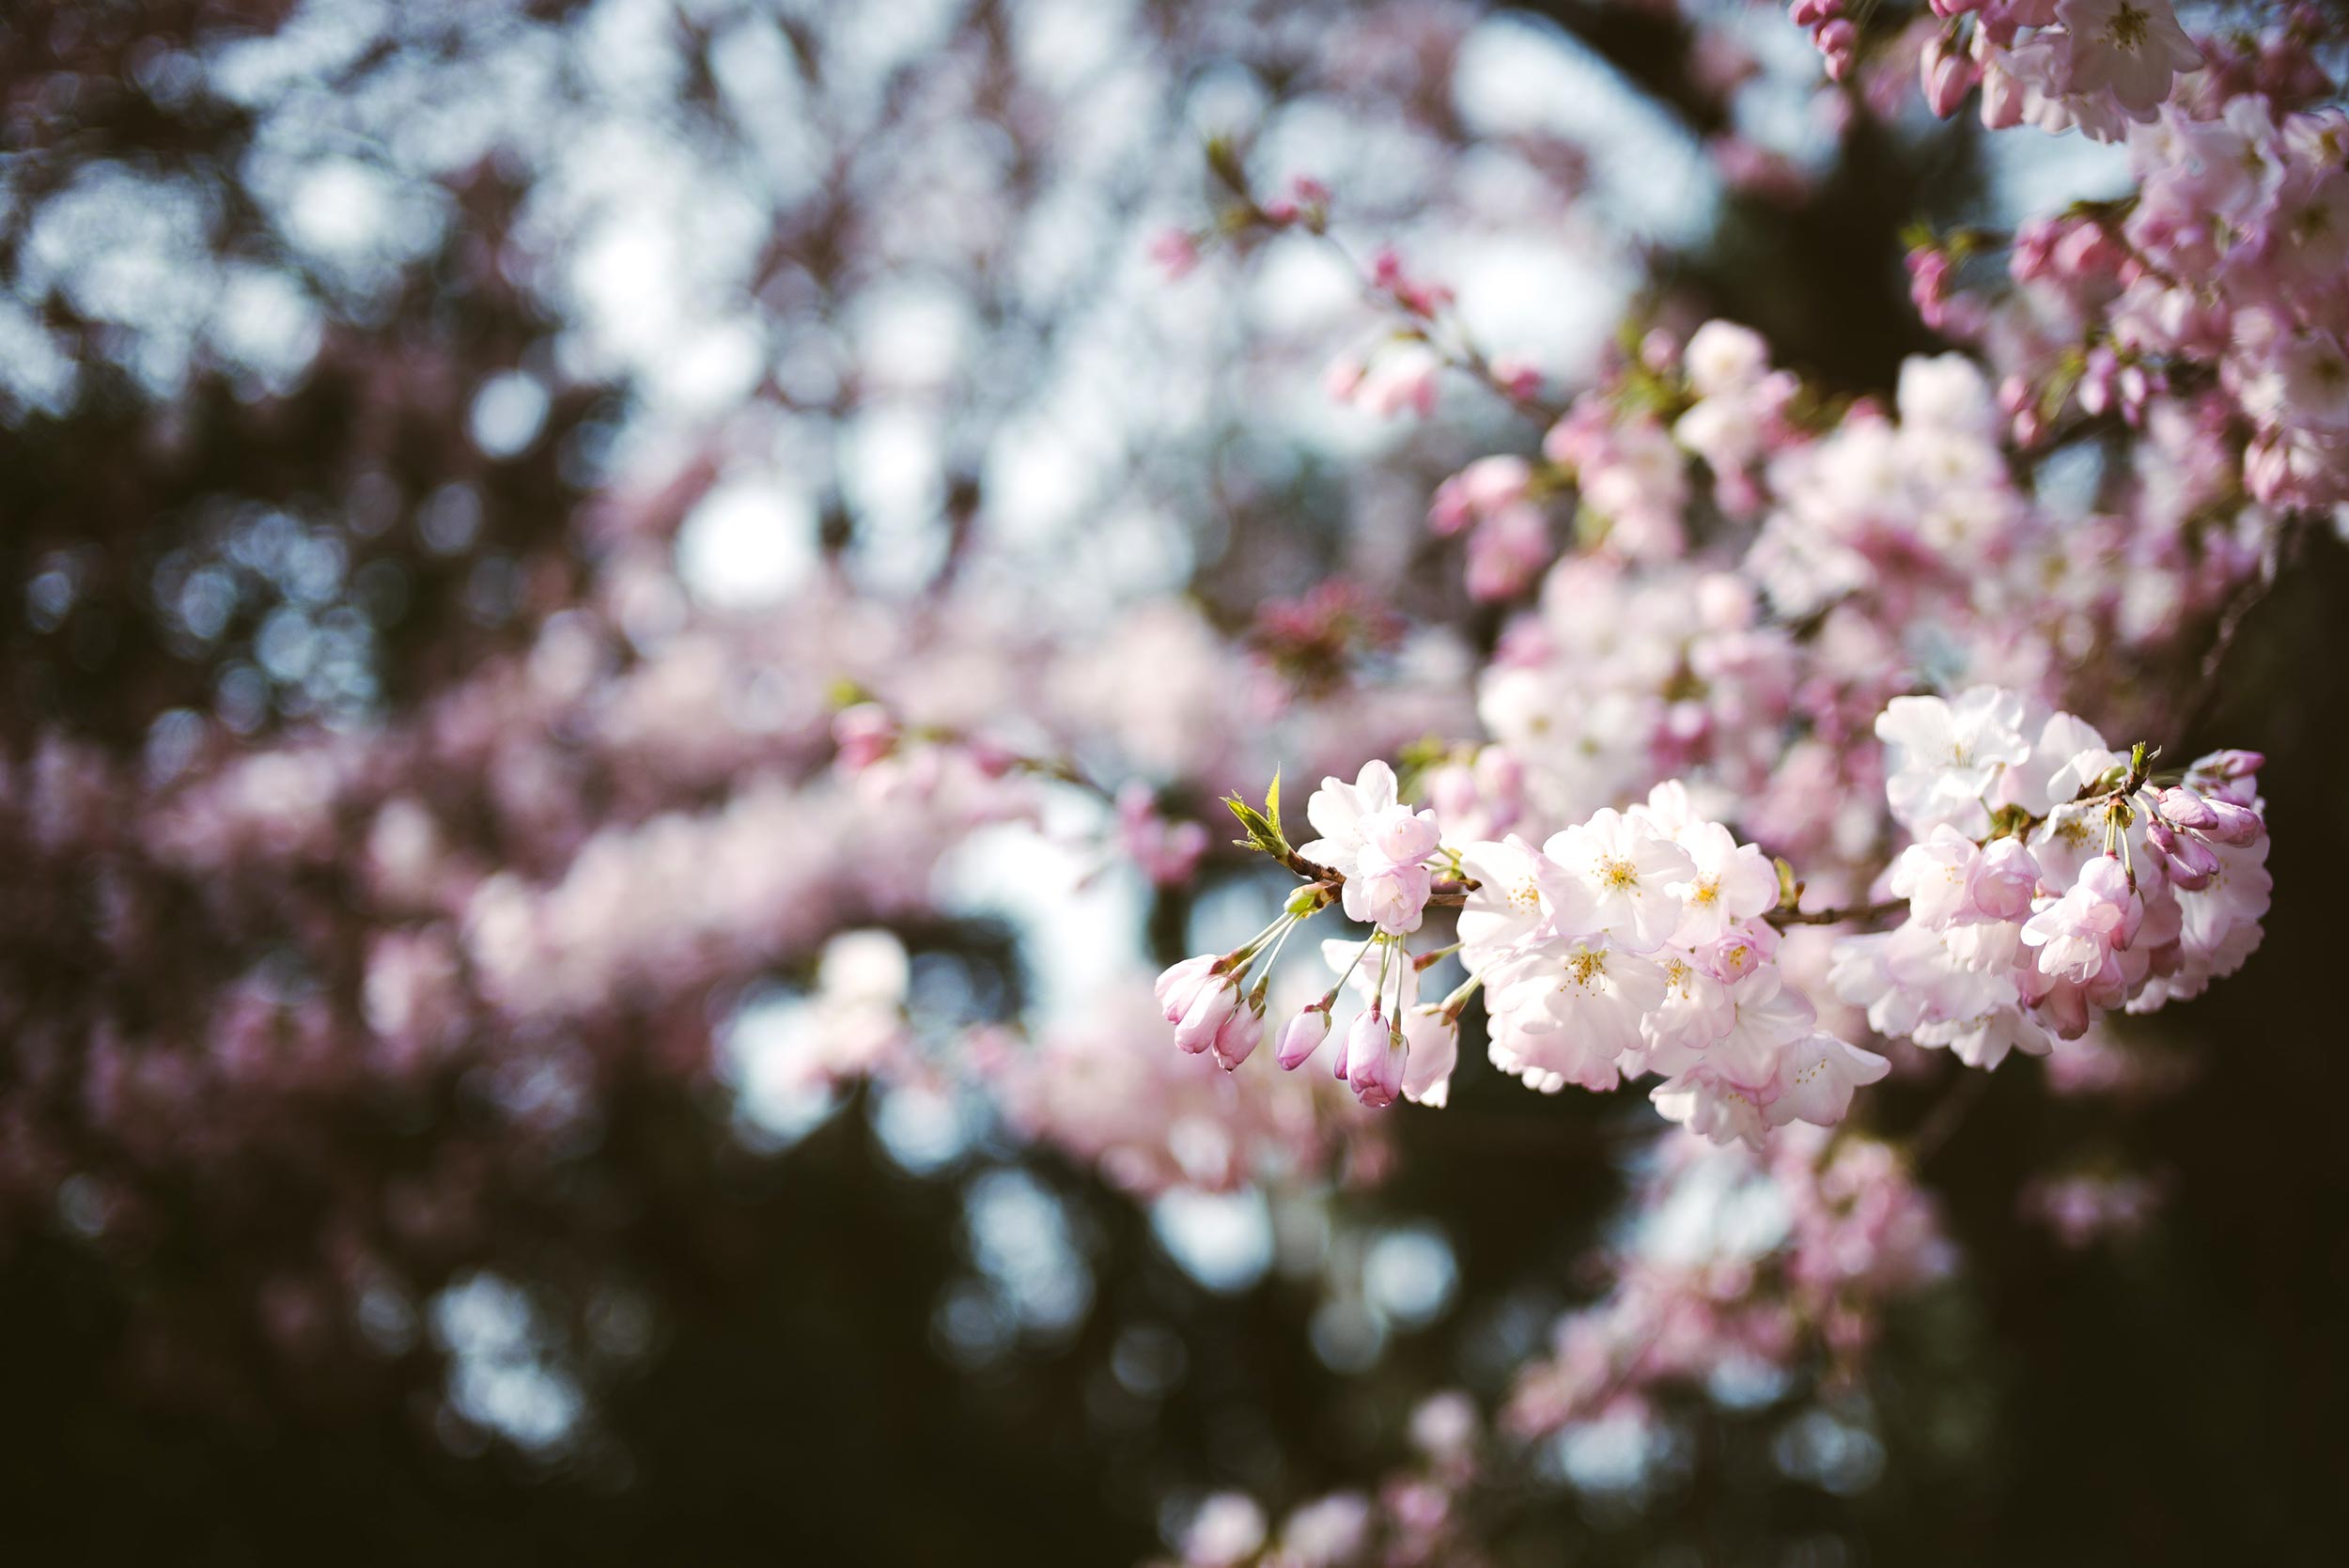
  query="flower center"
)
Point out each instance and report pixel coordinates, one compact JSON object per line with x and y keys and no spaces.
{"x":2128,"y":28}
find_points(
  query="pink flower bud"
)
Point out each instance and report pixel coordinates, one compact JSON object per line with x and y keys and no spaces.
{"x":1501,"y":777}
{"x":1948,"y":74}
{"x":1375,"y":1056}
{"x":2185,"y":809}
{"x":2186,"y":859}
{"x":2237,"y":824}
{"x":2231,"y":763}
{"x":2086,"y":251}
{"x":1179,"y":984}
{"x":1302,"y":1037}
{"x":1211,"y":1010}
{"x":1838,"y":42}
{"x":1238,"y":1038}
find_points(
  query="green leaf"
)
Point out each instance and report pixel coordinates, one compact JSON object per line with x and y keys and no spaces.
{"x":1259,"y":831}
{"x":1273,"y":807}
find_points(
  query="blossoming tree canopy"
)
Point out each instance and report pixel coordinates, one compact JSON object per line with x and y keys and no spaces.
{"x":2054,"y":879}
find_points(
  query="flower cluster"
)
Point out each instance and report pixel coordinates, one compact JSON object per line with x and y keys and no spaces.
{"x":2210,"y":292}
{"x":1375,"y":856}
{"x":1637,"y":942}
{"x":1633,"y":943}
{"x":2052,"y":878}
{"x":2234,"y":253}
{"x":2093,"y":65}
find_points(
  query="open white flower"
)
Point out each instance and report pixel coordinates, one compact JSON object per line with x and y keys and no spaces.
{"x":1336,"y":811}
{"x":1614,"y":874}
{"x":1944,"y":756}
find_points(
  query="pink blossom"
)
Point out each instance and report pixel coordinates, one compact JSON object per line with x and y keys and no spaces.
{"x":2078,"y":935}
{"x":2132,"y":48}
{"x":1615,"y":874}
{"x":1176,"y":253}
{"x":1390,"y":896}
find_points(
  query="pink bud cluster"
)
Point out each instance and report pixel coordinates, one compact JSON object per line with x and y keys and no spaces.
{"x":1833,"y":32}
{"x":1376,"y":852}
{"x":2096,"y":64}
{"x":2053,"y":879}
{"x":2238,"y":243}
{"x":1103,"y":1090}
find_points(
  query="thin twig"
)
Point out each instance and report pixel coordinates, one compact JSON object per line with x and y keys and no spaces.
{"x":1836,"y":916}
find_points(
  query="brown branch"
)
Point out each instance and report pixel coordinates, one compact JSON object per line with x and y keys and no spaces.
{"x":1835,"y":916}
